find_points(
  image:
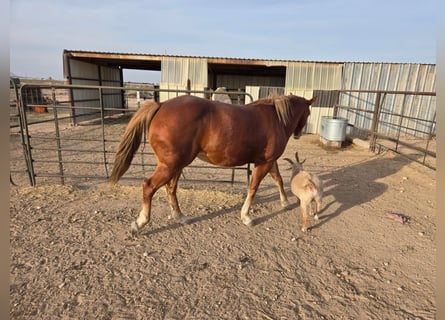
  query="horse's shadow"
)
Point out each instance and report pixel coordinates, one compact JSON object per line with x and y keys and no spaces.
{"x":348,"y":186}
{"x":192,"y":220}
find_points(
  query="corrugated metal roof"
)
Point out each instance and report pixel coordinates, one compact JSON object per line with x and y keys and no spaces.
{"x":122,"y":55}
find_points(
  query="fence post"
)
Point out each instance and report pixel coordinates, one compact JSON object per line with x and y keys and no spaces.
{"x":337,"y":101}
{"x":102,"y":123}
{"x":26,"y":141}
{"x":59,"y":146}
{"x":375,"y":120}
{"x":189,"y":87}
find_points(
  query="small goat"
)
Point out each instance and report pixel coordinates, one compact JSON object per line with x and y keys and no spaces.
{"x":307,"y":187}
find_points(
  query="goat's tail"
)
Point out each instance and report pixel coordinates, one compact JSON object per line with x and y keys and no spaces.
{"x":131,"y":139}
{"x":311,"y":185}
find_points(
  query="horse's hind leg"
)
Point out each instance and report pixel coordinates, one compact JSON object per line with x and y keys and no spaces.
{"x":171,"y":188}
{"x":149,"y":187}
{"x":259,"y":172}
{"x":276,"y":176}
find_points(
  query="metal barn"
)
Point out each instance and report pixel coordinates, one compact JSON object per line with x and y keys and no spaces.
{"x":332,"y":82}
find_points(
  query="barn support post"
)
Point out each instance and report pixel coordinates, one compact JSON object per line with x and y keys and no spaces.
{"x":57,"y":132}
{"x":69,"y":81}
{"x":189,"y":87}
{"x":337,"y":102}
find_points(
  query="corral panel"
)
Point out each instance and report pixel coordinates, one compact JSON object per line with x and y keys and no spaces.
{"x":390,"y":77}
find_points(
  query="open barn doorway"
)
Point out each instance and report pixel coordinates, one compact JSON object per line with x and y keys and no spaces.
{"x":142,"y":76}
{"x":141,"y":86}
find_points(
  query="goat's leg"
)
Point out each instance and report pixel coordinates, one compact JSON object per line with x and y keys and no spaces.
{"x":304,"y":206}
{"x":317,"y":206}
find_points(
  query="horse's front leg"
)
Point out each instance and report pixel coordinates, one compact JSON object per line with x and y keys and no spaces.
{"x":171,"y":188}
{"x":276,"y":176}
{"x":259,"y":172}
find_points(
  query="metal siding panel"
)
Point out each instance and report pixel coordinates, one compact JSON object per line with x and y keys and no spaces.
{"x":175,"y":71}
{"x":236,"y":82}
{"x":313,"y":76}
{"x":110,"y":76}
{"x":383,"y":76}
{"x":83,"y":70}
{"x":254,"y":91}
{"x":302,"y":78}
{"x":314,"y":119}
{"x":83,"y":73}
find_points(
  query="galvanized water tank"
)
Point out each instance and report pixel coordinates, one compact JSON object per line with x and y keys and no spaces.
{"x":333,"y":129}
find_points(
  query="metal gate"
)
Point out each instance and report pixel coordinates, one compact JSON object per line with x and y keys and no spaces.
{"x":49,"y":145}
{"x":401,"y":121}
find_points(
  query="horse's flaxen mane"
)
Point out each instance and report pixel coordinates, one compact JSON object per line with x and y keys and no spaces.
{"x":282,"y":106}
{"x":284,"y":110}
{"x":268,"y":100}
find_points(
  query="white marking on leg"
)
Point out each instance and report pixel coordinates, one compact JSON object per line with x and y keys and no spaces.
{"x":245,"y":212}
{"x":142,"y":220}
{"x":179,"y":216}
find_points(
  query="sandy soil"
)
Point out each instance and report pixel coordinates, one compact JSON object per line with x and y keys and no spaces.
{"x":73,"y":257}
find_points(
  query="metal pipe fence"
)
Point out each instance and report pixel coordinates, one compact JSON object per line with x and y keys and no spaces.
{"x":406,"y":139}
{"x":59,"y":145}
{"x":56,"y":146}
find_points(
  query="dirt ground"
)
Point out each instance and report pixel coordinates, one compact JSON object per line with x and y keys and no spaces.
{"x":73,"y":257}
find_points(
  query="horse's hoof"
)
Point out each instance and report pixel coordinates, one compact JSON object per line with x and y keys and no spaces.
{"x":285,"y":204}
{"x":316,"y":217}
{"x":134,"y":228}
{"x":248,"y":222}
{"x":304,"y":229}
{"x":185,"y":220}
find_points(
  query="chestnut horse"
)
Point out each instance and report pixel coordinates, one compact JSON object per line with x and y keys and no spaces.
{"x":186,"y":127}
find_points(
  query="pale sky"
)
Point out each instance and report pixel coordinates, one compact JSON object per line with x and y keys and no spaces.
{"x":311,"y":30}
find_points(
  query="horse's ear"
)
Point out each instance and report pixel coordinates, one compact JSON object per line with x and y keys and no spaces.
{"x":313,"y":100}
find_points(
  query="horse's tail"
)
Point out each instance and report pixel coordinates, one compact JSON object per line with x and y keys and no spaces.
{"x":131,"y":139}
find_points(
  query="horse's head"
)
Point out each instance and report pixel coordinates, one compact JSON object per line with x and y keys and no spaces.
{"x":302,"y":119}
